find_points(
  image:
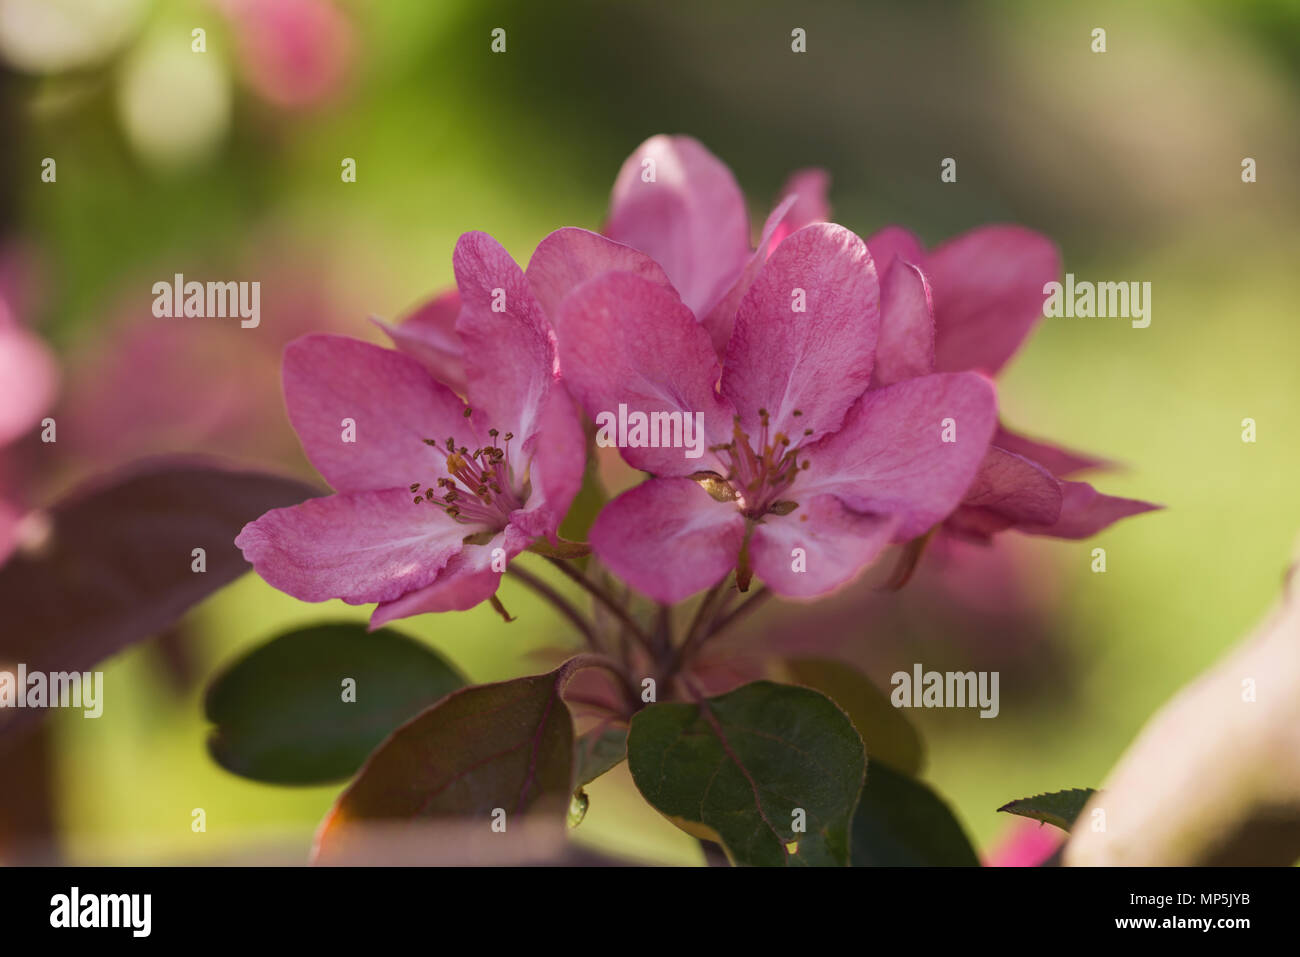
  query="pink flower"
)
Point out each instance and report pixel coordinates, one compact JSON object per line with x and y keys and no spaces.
{"x":677,"y":217}
{"x":1027,"y":844}
{"x":433,"y":496}
{"x":969,"y":305}
{"x":294,"y":53}
{"x":807,"y":474}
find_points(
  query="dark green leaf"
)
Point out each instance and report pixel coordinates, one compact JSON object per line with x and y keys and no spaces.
{"x":887,"y":734}
{"x":737,"y":769}
{"x":480,"y":751}
{"x":901,"y":822}
{"x":1059,"y":808}
{"x":597,"y":751}
{"x":280,"y":712}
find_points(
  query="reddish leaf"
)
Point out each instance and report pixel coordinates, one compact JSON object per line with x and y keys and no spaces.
{"x":117,"y":565}
{"x":481,"y":751}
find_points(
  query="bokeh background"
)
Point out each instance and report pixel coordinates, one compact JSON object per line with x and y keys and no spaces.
{"x":226,"y":164}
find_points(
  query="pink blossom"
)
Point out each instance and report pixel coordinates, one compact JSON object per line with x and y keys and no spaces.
{"x":969,"y":304}
{"x":434,"y":495}
{"x":803,"y":461}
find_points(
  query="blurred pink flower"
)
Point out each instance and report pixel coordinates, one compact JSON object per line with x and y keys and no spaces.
{"x":1025,"y":844}
{"x":293,"y":53}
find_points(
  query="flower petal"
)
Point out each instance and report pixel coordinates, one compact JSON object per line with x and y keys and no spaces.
{"x":555,"y":470}
{"x":468,"y":579}
{"x":570,"y":256}
{"x":890,"y":456}
{"x":809,"y":189}
{"x":392,"y":400}
{"x":988,"y":294}
{"x":510,"y":361}
{"x":28,"y":379}
{"x":668,"y":539}
{"x":626,"y":340}
{"x":895,"y":241}
{"x":690,"y":217}
{"x":816,"y":361}
{"x":1057,"y":459}
{"x":429,"y":336}
{"x":906,"y":346}
{"x":1085,"y":512}
{"x":359,"y":546}
{"x":1009,"y":490}
{"x":837,"y":543}
{"x":721,"y":319}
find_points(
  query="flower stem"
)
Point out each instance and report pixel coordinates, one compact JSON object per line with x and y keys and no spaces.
{"x":562,"y":604}
{"x":602,"y":596}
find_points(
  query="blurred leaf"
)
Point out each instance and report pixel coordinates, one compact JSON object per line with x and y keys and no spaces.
{"x":279,"y":711}
{"x":737,"y":768}
{"x":481,"y":750}
{"x":116,"y":566}
{"x":901,"y":822}
{"x":886,"y":733}
{"x":597,"y":751}
{"x":1059,"y":808}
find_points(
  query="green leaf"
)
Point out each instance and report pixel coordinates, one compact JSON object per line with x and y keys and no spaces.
{"x":737,"y":768}
{"x":901,"y":822}
{"x":280,"y":712}
{"x":886,"y":732}
{"x":1059,"y":808}
{"x":480,"y":751}
{"x":597,"y":751}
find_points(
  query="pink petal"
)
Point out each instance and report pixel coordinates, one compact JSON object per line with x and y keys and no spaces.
{"x":1009,"y":490}
{"x":809,"y":189}
{"x":570,"y":256}
{"x":429,"y":336}
{"x":817,"y":361}
{"x":391,"y":399}
{"x":468,"y":579}
{"x":28,"y":380}
{"x":359,"y":546}
{"x":890,"y":457}
{"x":691,"y":219}
{"x":510,"y":361}
{"x":906,"y":346}
{"x":837,"y":545}
{"x":668,"y":539}
{"x":555,"y":471}
{"x":988,"y":294}
{"x":895,"y":241}
{"x":1057,"y":459}
{"x":626,"y":340}
{"x":1085,"y":512}
{"x":721,"y":319}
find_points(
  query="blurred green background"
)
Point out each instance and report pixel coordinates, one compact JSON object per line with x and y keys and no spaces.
{"x":1130,"y":160}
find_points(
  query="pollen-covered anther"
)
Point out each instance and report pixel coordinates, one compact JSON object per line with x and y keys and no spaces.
{"x":758,"y":473}
{"x":477,"y":487}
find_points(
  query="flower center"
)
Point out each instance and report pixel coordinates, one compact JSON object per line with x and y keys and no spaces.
{"x":477,"y":489}
{"x":758,"y":475}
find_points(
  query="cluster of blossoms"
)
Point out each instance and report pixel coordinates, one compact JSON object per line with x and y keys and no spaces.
{"x":844,"y":388}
